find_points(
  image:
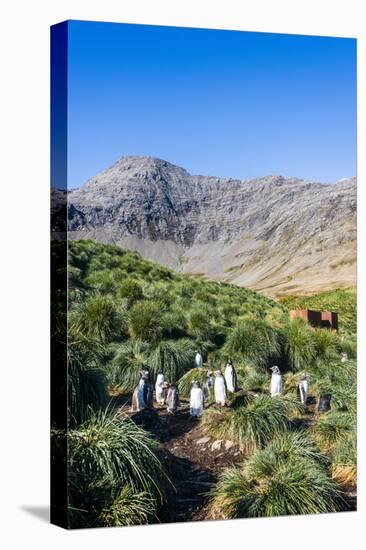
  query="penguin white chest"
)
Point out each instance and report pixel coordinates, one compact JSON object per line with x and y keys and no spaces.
{"x":276,"y":384}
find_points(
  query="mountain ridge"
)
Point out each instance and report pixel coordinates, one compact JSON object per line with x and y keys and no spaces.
{"x":273,"y":234}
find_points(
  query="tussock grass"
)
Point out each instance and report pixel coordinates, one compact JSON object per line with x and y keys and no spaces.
{"x":98,"y":317}
{"x":298,"y":443}
{"x":339,"y":379}
{"x":115,"y":451}
{"x":107,"y":455}
{"x":145,"y":320}
{"x":129,"y":508}
{"x":253,"y":424}
{"x":344,"y":459}
{"x":298,"y":344}
{"x":86,"y":381}
{"x":172,"y":358}
{"x":334,"y":428}
{"x":255,"y":341}
{"x":123,"y":372}
{"x":186,"y":381}
{"x":285,"y":478}
{"x":251,"y":379}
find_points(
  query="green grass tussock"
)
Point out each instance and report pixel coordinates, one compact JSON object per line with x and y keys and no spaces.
{"x":285,"y":478}
{"x":129,"y":508}
{"x":255,"y":341}
{"x":107,"y":455}
{"x":253,"y":424}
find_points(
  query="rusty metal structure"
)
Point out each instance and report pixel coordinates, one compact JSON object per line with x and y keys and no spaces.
{"x":318,"y":319}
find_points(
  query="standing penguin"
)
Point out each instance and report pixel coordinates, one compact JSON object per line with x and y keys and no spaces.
{"x":196,"y":401}
{"x":172,"y":399}
{"x":138,"y":401}
{"x":208,"y":387}
{"x":160,"y":391}
{"x":148,"y":390}
{"x":220,"y":389}
{"x":324,"y":402}
{"x":198,"y":360}
{"x":344,"y":357}
{"x":276,"y":382}
{"x":230,"y":377}
{"x":303,"y":388}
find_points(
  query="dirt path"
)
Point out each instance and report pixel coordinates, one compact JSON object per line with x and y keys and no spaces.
{"x":193,"y":460}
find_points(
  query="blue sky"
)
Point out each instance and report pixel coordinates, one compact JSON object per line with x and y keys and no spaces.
{"x":222,"y":103}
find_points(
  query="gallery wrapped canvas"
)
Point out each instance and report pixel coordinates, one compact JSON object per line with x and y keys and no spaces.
{"x":203,"y":249}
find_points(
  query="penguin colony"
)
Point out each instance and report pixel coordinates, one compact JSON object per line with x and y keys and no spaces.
{"x":216,"y":387}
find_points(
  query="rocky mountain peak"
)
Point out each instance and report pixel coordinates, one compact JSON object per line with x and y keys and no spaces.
{"x":272,"y":233}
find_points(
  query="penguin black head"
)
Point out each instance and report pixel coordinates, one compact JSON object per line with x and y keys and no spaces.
{"x":275,"y":369}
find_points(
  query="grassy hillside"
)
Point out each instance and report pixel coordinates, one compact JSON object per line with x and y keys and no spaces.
{"x":140,"y":310}
{"x":143,"y":314}
{"x":127,"y":313}
{"x":108,"y":269}
{"x":341,"y":301}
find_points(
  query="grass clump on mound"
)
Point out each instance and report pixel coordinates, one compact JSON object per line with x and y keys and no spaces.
{"x":339,"y":379}
{"x":254,"y":422}
{"x":298,"y":443}
{"x":255,"y":341}
{"x":172,"y":357}
{"x":86,"y":380}
{"x":333,"y":427}
{"x":107,"y":455}
{"x":123,"y":372}
{"x":186,"y":381}
{"x":344,"y":460}
{"x":285,"y":478}
{"x":298,"y":344}
{"x":98,"y":317}
{"x":251,"y":379}
{"x":129,"y":508}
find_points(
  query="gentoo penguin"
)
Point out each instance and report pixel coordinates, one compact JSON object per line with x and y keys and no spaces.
{"x":276,"y":381}
{"x":160,"y":389}
{"x":138,"y":401}
{"x":303,"y":388}
{"x":172,"y":399}
{"x":344,"y":357}
{"x":230,"y":377}
{"x":220,"y":389}
{"x":198,"y":360}
{"x":196,"y":400}
{"x":208,"y":386}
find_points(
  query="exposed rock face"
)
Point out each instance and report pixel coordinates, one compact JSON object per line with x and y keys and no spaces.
{"x":271,"y":234}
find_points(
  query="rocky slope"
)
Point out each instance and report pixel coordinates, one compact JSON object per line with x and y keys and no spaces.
{"x":271,"y":234}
